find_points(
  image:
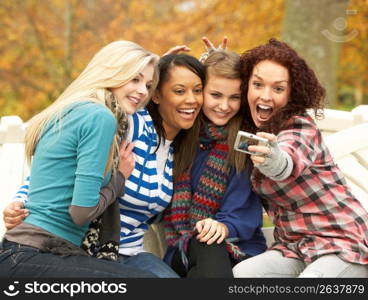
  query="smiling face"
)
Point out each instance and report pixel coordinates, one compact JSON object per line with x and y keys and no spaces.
{"x":268,"y":90}
{"x":180,"y":99}
{"x":221,"y":99}
{"x":133,"y":95}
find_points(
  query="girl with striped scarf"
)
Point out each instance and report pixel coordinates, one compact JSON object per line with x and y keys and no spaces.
{"x":215,"y":219}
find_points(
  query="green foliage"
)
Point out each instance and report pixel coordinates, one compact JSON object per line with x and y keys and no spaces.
{"x":267,"y":222}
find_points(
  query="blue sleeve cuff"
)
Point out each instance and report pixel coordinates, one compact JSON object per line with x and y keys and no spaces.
{"x":232,"y":231}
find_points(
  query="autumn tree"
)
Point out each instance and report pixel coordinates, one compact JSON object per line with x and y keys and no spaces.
{"x":353,"y":71}
{"x":312,"y":28}
{"x":45,"y":44}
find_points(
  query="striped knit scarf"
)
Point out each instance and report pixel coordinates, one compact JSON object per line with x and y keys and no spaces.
{"x":187,"y":208}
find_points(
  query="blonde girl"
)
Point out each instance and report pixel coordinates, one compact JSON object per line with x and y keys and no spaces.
{"x":74,"y":148}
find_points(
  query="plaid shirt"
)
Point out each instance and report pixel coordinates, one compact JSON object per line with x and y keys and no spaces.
{"x":313,"y":209}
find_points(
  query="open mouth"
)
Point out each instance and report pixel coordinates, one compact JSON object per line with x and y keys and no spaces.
{"x":187,"y":113}
{"x":264,"y":112}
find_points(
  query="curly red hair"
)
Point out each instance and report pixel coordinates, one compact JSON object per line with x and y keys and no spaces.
{"x":306,"y":92}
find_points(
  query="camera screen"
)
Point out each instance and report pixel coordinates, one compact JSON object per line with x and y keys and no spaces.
{"x":245,"y":141}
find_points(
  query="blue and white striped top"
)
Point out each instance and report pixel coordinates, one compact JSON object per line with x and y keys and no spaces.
{"x":146,"y":192}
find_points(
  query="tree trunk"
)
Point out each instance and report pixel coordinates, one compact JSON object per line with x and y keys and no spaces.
{"x":358,"y":95}
{"x":314,"y":28}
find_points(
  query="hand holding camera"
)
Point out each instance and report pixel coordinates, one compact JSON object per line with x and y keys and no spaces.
{"x":257,"y":145}
{"x":265,"y":154}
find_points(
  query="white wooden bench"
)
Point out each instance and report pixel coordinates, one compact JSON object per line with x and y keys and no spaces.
{"x":346,"y":134}
{"x":12,"y":160}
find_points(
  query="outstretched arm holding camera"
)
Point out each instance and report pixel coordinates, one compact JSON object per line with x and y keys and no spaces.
{"x":274,"y":162}
{"x":321,"y":229}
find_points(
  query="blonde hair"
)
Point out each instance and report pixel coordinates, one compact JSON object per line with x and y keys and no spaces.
{"x":226,"y":64}
{"x":113,"y":66}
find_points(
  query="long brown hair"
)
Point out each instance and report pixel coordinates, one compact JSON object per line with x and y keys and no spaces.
{"x":305,"y":90}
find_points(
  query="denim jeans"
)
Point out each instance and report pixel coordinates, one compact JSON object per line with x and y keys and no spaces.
{"x":18,"y":260}
{"x":146,"y":261}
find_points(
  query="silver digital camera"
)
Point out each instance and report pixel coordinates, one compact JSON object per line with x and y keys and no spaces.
{"x":245,"y":139}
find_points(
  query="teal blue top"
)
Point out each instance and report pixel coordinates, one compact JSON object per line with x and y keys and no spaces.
{"x":68,"y":168}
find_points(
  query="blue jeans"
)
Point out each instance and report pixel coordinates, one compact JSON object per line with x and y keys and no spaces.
{"x":18,"y":260}
{"x":146,"y":261}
